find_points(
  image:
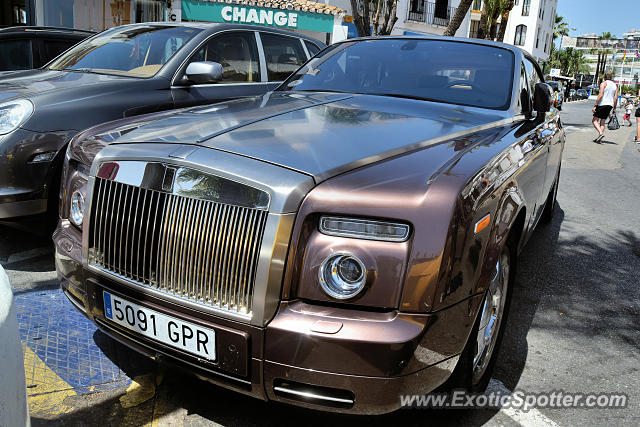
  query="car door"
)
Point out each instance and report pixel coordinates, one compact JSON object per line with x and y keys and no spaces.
{"x":237,"y":52}
{"x":283,"y":55}
{"x":550,"y":134}
{"x":534,"y":147}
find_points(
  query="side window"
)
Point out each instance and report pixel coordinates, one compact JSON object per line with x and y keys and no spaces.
{"x":16,"y":55}
{"x":236,"y":52}
{"x":312,"y":48}
{"x":532,"y":74}
{"x":283,"y":54}
{"x":54,"y":47}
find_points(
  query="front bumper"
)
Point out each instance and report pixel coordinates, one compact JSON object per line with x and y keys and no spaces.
{"x":320,"y":357}
{"x":25,"y":186}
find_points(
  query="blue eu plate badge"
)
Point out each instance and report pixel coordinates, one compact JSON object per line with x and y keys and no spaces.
{"x":107,"y":305}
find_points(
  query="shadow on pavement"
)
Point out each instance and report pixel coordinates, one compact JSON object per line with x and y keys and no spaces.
{"x":525,"y":299}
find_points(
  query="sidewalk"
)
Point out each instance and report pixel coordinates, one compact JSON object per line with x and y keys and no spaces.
{"x":582,"y":153}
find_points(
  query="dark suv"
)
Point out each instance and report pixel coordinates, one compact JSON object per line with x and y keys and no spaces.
{"x":122,"y":72}
{"x":23,"y":48}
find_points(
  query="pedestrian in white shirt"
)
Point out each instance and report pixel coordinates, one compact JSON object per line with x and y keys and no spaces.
{"x":606,"y":102}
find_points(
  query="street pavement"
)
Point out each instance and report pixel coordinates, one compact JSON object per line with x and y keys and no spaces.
{"x":574,"y":322}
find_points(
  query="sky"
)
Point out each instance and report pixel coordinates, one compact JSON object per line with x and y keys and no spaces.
{"x":598,"y":16}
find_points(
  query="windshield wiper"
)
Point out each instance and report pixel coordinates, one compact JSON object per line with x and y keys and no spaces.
{"x":400,"y":95}
{"x":318,"y":90}
{"x":81,"y":70}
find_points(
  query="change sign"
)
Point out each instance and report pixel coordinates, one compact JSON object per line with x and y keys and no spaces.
{"x":194,"y":10}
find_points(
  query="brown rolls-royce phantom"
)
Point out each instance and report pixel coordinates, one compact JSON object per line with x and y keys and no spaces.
{"x":343,"y":239}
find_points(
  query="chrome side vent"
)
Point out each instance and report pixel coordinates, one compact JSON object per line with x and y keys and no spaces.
{"x":199,"y":250}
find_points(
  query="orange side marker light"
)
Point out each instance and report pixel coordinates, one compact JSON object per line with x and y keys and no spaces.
{"x":482,"y":224}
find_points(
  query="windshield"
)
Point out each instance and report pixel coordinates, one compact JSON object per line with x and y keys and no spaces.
{"x":138,"y":51}
{"x":436,"y":70}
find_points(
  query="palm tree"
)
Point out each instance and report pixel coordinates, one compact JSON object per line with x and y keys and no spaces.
{"x":560,"y":27}
{"x":491,"y":10}
{"x":505,"y":19}
{"x":603,"y":62}
{"x":374,"y":17}
{"x":457,"y":18}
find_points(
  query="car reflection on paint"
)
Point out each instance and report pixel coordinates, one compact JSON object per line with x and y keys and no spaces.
{"x":346,"y":238}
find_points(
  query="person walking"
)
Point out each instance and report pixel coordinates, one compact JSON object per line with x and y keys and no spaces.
{"x":637,"y":137}
{"x":628,"y":108}
{"x":605,"y":104}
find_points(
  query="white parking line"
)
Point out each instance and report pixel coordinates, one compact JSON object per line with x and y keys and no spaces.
{"x":532,"y":417}
{"x":27,"y":255}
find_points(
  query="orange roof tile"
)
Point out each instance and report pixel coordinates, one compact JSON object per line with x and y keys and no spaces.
{"x":299,"y":5}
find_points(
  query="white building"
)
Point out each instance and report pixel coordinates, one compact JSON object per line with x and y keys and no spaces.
{"x":622,"y":56}
{"x":428,"y":17}
{"x":530,"y":23}
{"x":530,"y":26}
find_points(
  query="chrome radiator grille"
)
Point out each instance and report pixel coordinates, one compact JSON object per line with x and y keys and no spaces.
{"x":198,"y":250}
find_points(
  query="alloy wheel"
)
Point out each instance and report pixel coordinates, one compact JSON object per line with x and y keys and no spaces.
{"x":491,"y":317}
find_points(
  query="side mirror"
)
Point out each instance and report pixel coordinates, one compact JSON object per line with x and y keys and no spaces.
{"x":542,"y":97}
{"x":203,"y":72}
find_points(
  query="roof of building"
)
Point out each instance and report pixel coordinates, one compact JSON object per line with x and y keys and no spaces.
{"x":297,"y":5}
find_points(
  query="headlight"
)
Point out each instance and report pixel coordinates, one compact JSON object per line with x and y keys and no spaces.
{"x":342,"y":275}
{"x":364,"y":229}
{"x":13,"y":114}
{"x":77,"y":208}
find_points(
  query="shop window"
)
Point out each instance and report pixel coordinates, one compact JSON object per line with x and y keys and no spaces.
{"x":441,"y":9}
{"x":416,"y":6}
{"x":521,"y":35}
{"x":284,"y":55}
{"x":16,"y":55}
{"x":236,"y":52}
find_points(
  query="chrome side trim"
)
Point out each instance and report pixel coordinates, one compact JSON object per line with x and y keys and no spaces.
{"x":314,"y":396}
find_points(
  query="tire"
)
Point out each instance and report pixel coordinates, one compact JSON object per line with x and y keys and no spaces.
{"x":478,"y":358}
{"x":550,"y":205}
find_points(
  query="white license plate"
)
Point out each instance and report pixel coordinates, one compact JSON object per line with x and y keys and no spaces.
{"x":168,"y":330}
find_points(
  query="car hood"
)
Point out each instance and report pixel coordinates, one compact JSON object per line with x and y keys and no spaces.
{"x":319,"y":134}
{"x":14,"y":84}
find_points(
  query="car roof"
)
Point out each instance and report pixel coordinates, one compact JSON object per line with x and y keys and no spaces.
{"x":45,"y":30}
{"x":224,"y":26}
{"x":442,"y":38}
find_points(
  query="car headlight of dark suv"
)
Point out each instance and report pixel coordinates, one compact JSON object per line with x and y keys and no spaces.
{"x":13,"y":114}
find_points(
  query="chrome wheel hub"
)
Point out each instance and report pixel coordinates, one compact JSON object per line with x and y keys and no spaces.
{"x":491,"y":316}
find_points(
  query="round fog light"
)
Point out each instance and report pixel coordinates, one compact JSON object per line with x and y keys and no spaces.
{"x":342,"y":276}
{"x":77,"y":208}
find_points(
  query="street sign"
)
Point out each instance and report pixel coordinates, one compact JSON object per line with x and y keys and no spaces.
{"x":555,"y":72}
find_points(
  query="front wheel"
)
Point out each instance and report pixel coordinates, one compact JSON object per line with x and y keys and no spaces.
{"x":475,"y":366}
{"x":550,"y":204}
